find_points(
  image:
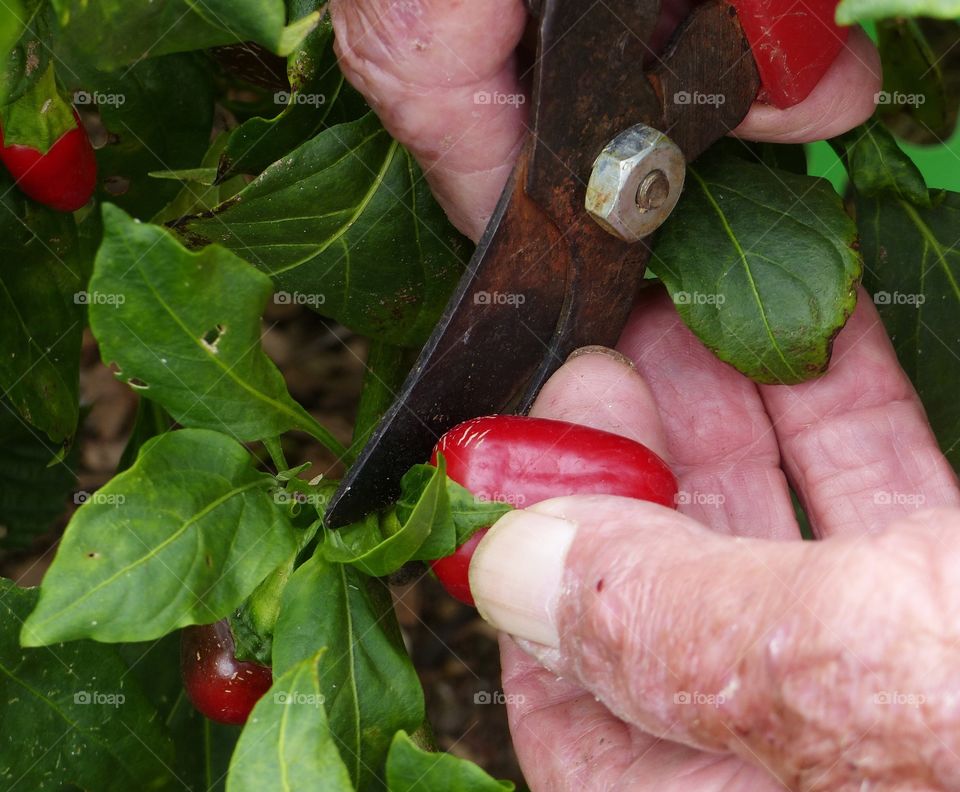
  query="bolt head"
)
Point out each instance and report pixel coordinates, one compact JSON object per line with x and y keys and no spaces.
{"x":635,"y":183}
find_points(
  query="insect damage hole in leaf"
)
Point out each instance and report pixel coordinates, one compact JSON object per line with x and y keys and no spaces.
{"x":139,"y":384}
{"x":211,"y":338}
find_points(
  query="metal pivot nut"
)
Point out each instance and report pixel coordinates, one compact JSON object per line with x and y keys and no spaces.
{"x":635,"y":183}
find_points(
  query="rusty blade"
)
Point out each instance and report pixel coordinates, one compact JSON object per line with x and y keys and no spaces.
{"x":498,"y":340}
{"x":545,"y":279}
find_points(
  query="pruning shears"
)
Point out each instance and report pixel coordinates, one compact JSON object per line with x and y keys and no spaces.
{"x":561,"y":260}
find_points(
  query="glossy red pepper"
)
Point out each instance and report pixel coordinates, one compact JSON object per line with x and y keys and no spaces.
{"x":64,"y":178}
{"x":522,"y":461}
{"x":793,"y":43}
{"x":220,"y":686}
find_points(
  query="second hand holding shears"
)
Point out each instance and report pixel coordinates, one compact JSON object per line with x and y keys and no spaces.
{"x":563,"y":255}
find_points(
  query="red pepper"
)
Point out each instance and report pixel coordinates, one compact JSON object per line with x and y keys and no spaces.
{"x":522,"y":461}
{"x":63,"y":178}
{"x":793,"y":43}
{"x":220,"y":686}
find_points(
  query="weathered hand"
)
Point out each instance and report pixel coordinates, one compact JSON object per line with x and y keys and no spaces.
{"x":710,"y":649}
{"x":421,"y":63}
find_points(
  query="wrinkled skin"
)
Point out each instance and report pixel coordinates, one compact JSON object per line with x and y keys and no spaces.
{"x":802,"y":637}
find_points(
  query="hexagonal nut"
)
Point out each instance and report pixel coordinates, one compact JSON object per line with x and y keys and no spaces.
{"x":635,"y":183}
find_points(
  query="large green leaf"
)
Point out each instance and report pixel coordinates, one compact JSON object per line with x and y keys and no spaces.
{"x":916,"y":101}
{"x":13,"y":21}
{"x":287,"y":743}
{"x":70,"y":715}
{"x":318,"y":95}
{"x":263,"y":21}
{"x":761,"y":266}
{"x":34,"y":484}
{"x":184,"y":329}
{"x":109,"y":34}
{"x":851,"y":11}
{"x":912,"y":263}
{"x":41,"y":313}
{"x":411,"y":769}
{"x":181,"y":538}
{"x":368,"y":682}
{"x":347,"y":225}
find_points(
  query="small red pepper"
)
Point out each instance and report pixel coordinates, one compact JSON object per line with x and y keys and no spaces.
{"x":220,"y":686}
{"x":522,"y":461}
{"x":793,"y":43}
{"x":63,"y":178}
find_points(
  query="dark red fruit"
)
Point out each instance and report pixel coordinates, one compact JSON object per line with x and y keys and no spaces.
{"x":64,"y":178}
{"x":794,"y":44}
{"x":220,"y":686}
{"x":522,"y":461}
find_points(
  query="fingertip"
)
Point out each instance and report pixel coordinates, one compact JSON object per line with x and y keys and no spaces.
{"x":600,"y":388}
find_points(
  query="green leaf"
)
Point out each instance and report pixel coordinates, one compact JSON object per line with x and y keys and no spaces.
{"x":184,"y":329}
{"x":70,"y":715}
{"x":200,"y":191}
{"x":915,"y":101}
{"x":370,"y":686}
{"x":347,"y":225}
{"x":287,"y":744}
{"x":40,"y":117}
{"x":150,"y":123}
{"x":851,"y":11}
{"x":181,"y":538}
{"x":410,"y":769}
{"x":318,"y":94}
{"x":378,"y":547}
{"x":912,"y":267}
{"x":109,"y":34}
{"x":877,"y":165}
{"x":25,"y":60}
{"x":13,"y":18}
{"x":41,"y":316}
{"x":780,"y":278}
{"x":151,"y":420}
{"x":34,"y":484}
{"x":385,"y":369}
{"x":263,"y":21}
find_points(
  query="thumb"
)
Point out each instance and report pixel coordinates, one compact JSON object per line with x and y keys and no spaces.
{"x":775,"y":651}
